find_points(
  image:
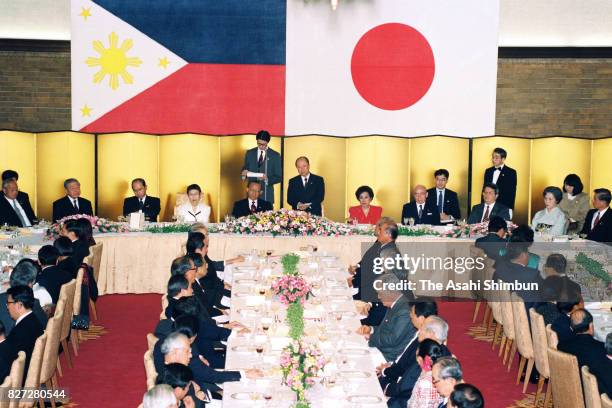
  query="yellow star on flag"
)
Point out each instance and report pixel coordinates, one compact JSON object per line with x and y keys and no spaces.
{"x":163,"y":62}
{"x":86,"y":111}
{"x":85,"y":12}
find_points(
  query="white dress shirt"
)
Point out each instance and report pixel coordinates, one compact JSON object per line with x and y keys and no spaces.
{"x":601,"y":214}
{"x":496,"y":173}
{"x":43,"y":296}
{"x":484,"y":210}
{"x":259,"y":152}
{"x":74,"y":202}
{"x":251,"y":203}
{"x":20,"y":209}
{"x":23,"y":316}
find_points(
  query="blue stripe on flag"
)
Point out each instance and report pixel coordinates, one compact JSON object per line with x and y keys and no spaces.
{"x":211,"y":31}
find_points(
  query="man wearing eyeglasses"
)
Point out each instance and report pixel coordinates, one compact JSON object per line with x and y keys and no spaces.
{"x":263,"y":164}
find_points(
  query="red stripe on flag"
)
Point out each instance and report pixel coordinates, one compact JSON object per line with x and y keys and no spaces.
{"x":205,"y":98}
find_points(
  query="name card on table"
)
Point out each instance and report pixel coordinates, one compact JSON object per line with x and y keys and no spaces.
{"x":137,"y":220}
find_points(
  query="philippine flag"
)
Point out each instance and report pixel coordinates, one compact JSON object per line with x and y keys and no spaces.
{"x":395,"y":67}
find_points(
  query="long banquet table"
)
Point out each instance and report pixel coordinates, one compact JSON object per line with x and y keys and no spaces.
{"x":331,"y":321}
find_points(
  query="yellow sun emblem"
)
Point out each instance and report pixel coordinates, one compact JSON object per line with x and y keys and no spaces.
{"x":113,"y":61}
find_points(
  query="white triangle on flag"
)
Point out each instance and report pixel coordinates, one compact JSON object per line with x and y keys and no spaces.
{"x":147,"y":63}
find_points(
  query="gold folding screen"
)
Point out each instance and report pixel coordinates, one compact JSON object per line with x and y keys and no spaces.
{"x":390,"y":165}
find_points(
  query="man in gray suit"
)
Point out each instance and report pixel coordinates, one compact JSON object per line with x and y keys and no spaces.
{"x":396,"y":330}
{"x":264,"y":164}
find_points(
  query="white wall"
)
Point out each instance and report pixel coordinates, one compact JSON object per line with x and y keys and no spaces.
{"x":523,"y":23}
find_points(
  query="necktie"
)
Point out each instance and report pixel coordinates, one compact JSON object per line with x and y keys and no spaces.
{"x":253,"y":207}
{"x":420,"y":211}
{"x":305,"y":181}
{"x":440,"y":204}
{"x":486,"y":215}
{"x":75,"y":204}
{"x":261,"y":158}
{"x":140,"y":204}
{"x":596,"y":219}
{"x":21,"y":220}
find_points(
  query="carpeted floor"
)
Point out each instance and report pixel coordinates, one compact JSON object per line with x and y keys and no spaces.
{"x":109,"y":370}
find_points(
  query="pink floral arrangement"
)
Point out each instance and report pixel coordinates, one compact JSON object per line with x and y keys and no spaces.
{"x":301,"y":363}
{"x":291,"y":289}
{"x":286,"y":222}
{"x":98,"y":225}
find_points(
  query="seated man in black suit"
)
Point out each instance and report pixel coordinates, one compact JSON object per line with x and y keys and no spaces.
{"x":306,"y":190}
{"x":141,"y":202}
{"x":513,"y":268}
{"x":490,"y":207}
{"x":12,"y":174}
{"x":252,"y":204}
{"x":443,"y":199}
{"x":52,"y":277}
{"x":495,"y":240}
{"x":588,"y":351}
{"x":20,"y":300}
{"x":180,"y":378}
{"x":598,"y":222}
{"x":24,"y":274}
{"x":65,"y":260}
{"x":15,"y":210}
{"x":503,"y":177}
{"x":72,"y":203}
{"x":420,"y":210}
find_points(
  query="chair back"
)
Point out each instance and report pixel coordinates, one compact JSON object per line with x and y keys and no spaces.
{"x":507,"y":314}
{"x":522,"y":333}
{"x":565,"y":380}
{"x":606,"y":402}
{"x":16,"y":374}
{"x":67,"y":293}
{"x":6,"y":384}
{"x":76,"y":304}
{"x":591,"y":390}
{"x":151,"y":340}
{"x":33,"y":378}
{"x":150,"y":369}
{"x":95,"y":258}
{"x":540,"y":343}
{"x":551,"y":337}
{"x":50,"y":353}
{"x":164,"y":304}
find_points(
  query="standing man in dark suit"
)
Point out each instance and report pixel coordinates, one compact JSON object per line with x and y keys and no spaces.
{"x":141,"y":202}
{"x":20,"y":300}
{"x":420,"y":210}
{"x":72,"y":203}
{"x":490,"y":207}
{"x":306,"y":190}
{"x":252,"y":204}
{"x":598,"y":222}
{"x":264,"y":164}
{"x":13,"y":211}
{"x":444,"y":199}
{"x":502,"y":176}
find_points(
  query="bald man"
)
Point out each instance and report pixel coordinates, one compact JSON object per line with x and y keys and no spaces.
{"x":419,"y":209}
{"x":306,"y":191}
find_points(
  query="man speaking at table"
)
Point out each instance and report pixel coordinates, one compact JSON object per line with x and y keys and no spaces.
{"x":262,"y":164}
{"x":252,"y":204}
{"x":150,"y":206}
{"x":306,"y":190}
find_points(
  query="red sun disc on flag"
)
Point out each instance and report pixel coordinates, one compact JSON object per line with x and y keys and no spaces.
{"x":392,"y":66}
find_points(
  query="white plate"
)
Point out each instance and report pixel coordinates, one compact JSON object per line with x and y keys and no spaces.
{"x":364,"y":399}
{"x":247,"y":396}
{"x":355,"y":374}
{"x":352,"y":351}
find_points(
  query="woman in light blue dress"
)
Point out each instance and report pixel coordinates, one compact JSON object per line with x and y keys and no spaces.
{"x":551,"y":218}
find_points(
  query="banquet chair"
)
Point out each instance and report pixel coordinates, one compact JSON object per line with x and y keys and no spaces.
{"x":33,"y":378}
{"x":66,"y":293}
{"x":16,"y":375}
{"x":94,"y":260}
{"x":540,"y":347}
{"x":565,"y":380}
{"x":76,"y":310}
{"x":508,"y":328}
{"x":523,"y":341}
{"x":476,"y":252}
{"x":50,"y":360}
{"x":151,"y":340}
{"x":591,"y":390}
{"x":551,"y":337}
{"x":4,"y":403}
{"x":488,"y":272}
{"x":606,"y":402}
{"x":150,"y":369}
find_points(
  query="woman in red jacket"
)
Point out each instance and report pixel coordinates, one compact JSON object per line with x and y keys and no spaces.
{"x":365,"y":213}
